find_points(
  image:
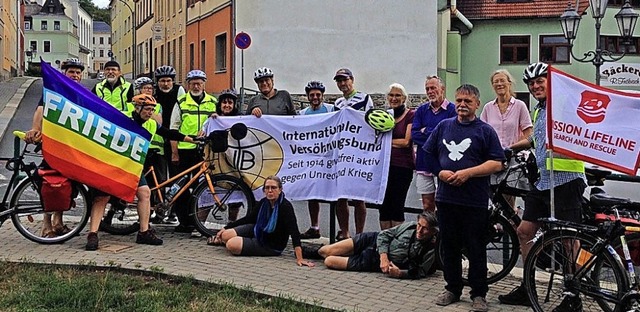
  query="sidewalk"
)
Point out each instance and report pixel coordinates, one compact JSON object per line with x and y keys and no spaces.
{"x":184,"y":256}
{"x":11,"y":92}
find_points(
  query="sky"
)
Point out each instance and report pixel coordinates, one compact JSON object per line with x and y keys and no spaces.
{"x":101,"y":3}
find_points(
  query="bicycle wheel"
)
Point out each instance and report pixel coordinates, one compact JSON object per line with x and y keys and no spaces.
{"x":599,"y":289}
{"x":236,"y":200}
{"x":28,"y":215}
{"x":120,"y":218}
{"x":503,"y":250}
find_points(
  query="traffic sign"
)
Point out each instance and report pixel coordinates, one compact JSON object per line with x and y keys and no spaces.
{"x":242,"y":40}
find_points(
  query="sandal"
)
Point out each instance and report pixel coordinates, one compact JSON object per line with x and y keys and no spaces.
{"x":340,"y":237}
{"x":61,"y":230}
{"x":215,"y":241}
{"x":49,"y":234}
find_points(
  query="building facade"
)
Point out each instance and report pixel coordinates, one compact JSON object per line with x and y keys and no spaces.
{"x":101,"y":42}
{"x":123,"y":35}
{"x":170,"y":19}
{"x":144,"y":37}
{"x":9,"y":38}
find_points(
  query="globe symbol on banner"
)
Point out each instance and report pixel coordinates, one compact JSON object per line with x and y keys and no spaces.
{"x":256,"y":156}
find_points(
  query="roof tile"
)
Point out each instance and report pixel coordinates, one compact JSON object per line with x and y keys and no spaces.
{"x":495,"y":9}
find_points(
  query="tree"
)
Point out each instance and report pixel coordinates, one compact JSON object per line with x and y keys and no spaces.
{"x":98,"y":14}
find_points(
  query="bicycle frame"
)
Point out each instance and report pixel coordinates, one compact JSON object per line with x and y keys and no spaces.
{"x":16,"y":165}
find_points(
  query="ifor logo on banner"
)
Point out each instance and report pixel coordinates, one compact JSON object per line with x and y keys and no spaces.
{"x":592,"y":123}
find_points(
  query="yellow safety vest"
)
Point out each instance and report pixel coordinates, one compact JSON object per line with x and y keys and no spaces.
{"x":560,"y":162}
{"x":118,"y":97}
{"x":193,"y":115}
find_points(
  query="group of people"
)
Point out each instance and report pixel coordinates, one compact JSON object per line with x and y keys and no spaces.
{"x":456,"y":153}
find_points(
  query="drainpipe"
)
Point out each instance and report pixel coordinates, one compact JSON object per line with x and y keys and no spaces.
{"x":462,"y":18}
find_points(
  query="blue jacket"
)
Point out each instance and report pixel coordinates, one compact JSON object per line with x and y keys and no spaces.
{"x":425,"y":118}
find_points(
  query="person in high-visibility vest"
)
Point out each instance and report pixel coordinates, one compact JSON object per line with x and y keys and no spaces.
{"x":188,"y":116}
{"x":114,"y":89}
{"x":569,"y":184}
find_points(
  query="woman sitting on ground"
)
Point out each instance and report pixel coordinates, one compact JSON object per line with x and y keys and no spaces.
{"x":266,"y":230}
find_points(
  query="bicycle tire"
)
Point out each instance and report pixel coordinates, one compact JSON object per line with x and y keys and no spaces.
{"x":503,"y":250}
{"x":208,"y":216}
{"x":120,"y":218}
{"x":28,"y":215}
{"x":607,"y":276}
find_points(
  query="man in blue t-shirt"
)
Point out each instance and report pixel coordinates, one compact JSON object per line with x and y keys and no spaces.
{"x":463,"y":152}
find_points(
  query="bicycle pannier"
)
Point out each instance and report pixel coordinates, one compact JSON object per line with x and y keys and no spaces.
{"x":219,"y":141}
{"x":55,"y":190}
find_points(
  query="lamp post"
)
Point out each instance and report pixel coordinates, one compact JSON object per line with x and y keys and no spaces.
{"x":133,"y":43}
{"x":31,"y":54}
{"x":626,"y":20}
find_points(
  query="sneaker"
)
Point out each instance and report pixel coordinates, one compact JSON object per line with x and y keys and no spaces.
{"x":446,"y":298}
{"x":148,"y":238}
{"x":340,"y":237}
{"x":570,"y":303}
{"x":479,"y":304}
{"x":518,"y":296}
{"x":196,"y":234}
{"x":92,"y":241}
{"x":172,"y":219}
{"x":311,"y":233}
{"x":181,"y":228}
{"x":311,"y":252}
{"x":156,"y":220}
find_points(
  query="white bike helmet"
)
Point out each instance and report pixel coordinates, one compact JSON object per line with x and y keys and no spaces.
{"x":196,"y":74}
{"x":262,"y":72}
{"x":165,"y":71}
{"x":142,"y":81}
{"x":534,"y":70}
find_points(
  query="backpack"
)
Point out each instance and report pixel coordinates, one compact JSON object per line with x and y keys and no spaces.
{"x":55,"y":191}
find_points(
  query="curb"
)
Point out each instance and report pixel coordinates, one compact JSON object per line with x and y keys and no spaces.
{"x":12,"y":106}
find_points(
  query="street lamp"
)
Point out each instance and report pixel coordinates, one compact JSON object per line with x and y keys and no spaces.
{"x":626,"y":19}
{"x":133,"y":43}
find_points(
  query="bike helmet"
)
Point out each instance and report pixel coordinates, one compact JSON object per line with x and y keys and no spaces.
{"x":534,"y":70}
{"x":142,"y":81}
{"x":314,"y":85}
{"x":72,"y":62}
{"x":196,"y":74}
{"x":379,"y":119}
{"x":262,"y":72}
{"x":144,"y":100}
{"x":164,"y":71}
{"x":228,"y":93}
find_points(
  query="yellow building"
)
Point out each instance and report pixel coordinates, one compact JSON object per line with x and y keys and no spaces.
{"x":9,"y":20}
{"x":144,"y":37}
{"x":170,"y":18}
{"x":123,"y":34}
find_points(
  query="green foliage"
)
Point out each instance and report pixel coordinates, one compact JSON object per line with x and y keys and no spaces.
{"x":98,"y":14}
{"x":33,"y":287}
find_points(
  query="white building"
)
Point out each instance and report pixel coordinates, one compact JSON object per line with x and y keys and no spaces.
{"x":101,"y":45}
{"x":381,"y":41}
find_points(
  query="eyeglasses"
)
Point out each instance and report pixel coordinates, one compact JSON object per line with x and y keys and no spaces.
{"x":147,"y":88}
{"x":315,"y":95}
{"x":270,"y":187}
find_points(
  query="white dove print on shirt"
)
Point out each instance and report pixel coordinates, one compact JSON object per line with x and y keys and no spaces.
{"x":456,"y":150}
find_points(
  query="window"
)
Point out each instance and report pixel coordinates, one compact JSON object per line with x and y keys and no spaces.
{"x":56,"y":25}
{"x":191,"y":56}
{"x":47,"y":46}
{"x":108,"y":40}
{"x":514,"y":49}
{"x":94,"y":40}
{"x":33,"y":45}
{"x":43,"y":25}
{"x":101,"y":53}
{"x":27,"y":25}
{"x":221,"y":52}
{"x":634,"y":3}
{"x":101,"y":40}
{"x":524,"y":97}
{"x":616,"y":45}
{"x":101,"y":66}
{"x":203,"y":52}
{"x":554,"y":49}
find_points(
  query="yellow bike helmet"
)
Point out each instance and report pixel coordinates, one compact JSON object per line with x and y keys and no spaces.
{"x":379,"y":119}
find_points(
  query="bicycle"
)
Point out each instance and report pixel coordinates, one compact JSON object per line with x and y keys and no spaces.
{"x":215,"y":199}
{"x":503,"y":246}
{"x":25,"y":205}
{"x":580,"y":263}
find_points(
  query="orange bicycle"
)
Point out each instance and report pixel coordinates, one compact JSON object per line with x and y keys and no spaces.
{"x":217,"y":199}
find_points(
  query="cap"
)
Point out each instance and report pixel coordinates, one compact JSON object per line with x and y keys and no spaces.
{"x":343,"y":73}
{"x":111,"y":64}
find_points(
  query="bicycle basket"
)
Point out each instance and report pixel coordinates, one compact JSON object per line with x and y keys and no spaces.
{"x":218,"y":141}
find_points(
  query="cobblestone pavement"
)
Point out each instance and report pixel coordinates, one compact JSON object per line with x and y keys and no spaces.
{"x":185,"y":256}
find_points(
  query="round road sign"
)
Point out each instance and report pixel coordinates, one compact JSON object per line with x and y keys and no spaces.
{"x":242,"y":40}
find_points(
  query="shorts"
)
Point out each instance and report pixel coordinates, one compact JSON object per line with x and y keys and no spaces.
{"x":365,"y":257}
{"x":568,"y":199}
{"x":425,"y":184}
{"x":251,"y":246}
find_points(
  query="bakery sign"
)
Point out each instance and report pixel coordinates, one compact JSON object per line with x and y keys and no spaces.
{"x":620,"y":75}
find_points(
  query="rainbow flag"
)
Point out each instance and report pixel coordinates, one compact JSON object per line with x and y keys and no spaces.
{"x":88,"y":140}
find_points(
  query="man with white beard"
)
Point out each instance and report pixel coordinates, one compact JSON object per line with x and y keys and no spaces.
{"x":114,"y":89}
{"x":188,"y":116}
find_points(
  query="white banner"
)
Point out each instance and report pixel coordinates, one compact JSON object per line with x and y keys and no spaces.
{"x":325,"y":156}
{"x":592,"y":123}
{"x":620,"y":75}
